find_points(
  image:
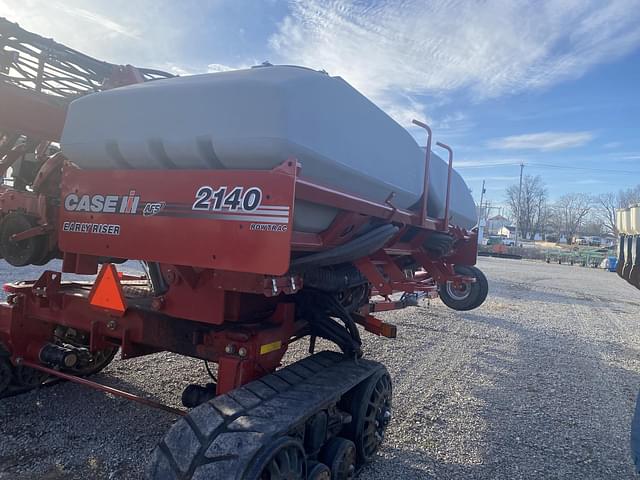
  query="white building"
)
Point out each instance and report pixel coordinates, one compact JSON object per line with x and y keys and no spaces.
{"x":494,"y":224}
{"x":507,"y":231}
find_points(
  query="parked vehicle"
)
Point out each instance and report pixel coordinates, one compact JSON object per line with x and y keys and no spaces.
{"x":595,"y":241}
{"x":494,"y":240}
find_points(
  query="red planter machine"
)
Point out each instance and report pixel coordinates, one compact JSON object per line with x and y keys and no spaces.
{"x":228,"y":280}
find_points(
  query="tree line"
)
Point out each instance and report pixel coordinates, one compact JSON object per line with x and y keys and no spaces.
{"x":569,"y":215}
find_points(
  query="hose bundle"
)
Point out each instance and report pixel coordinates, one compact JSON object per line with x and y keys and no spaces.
{"x":321,"y":309}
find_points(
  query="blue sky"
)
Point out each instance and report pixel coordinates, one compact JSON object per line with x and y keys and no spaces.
{"x":553,"y":84}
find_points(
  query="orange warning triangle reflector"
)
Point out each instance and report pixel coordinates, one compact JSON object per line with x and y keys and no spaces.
{"x":107,"y":291}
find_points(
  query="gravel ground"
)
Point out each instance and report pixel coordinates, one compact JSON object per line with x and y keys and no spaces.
{"x":539,"y":382}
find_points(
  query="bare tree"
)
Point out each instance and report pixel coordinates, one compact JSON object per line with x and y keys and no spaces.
{"x":533,"y":205}
{"x":606,"y":204}
{"x":629,"y":196}
{"x":593,"y":225}
{"x":543,"y":219}
{"x":570,"y":212}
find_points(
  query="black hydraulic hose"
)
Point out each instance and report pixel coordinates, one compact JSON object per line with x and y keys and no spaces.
{"x":158,"y":284}
{"x":318,"y":308}
{"x":324,"y":326}
{"x":334,"y":279}
{"x":340,"y":312}
{"x":350,"y":251}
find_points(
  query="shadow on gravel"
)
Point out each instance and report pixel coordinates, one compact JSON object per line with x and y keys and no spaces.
{"x":510,"y":291}
{"x":553,"y":407}
{"x":48,"y":426}
{"x":415,"y":465}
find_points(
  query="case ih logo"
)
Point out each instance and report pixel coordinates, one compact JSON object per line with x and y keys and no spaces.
{"x":102,"y":203}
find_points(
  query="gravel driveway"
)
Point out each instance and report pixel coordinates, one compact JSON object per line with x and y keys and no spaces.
{"x":538,"y":383}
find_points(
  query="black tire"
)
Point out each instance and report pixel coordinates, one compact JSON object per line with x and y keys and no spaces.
{"x":24,"y":252}
{"x":201,"y":445}
{"x":370,"y":407}
{"x":101,"y":359}
{"x":28,"y":377}
{"x":234,"y":434}
{"x":6,"y":375}
{"x":339,"y":454}
{"x":318,"y":471}
{"x":47,"y":258}
{"x":472,"y":296}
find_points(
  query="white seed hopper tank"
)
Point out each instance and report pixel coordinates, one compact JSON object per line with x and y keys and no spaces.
{"x":634,"y":219}
{"x":256,"y":119}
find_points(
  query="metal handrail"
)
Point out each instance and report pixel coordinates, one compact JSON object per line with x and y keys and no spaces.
{"x":427,"y":167}
{"x":445,"y":220}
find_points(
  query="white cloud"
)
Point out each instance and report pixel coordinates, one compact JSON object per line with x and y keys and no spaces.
{"x":394,"y":51}
{"x":543,"y":141}
{"x":111,"y":26}
{"x":144,"y":33}
{"x":217,"y":67}
{"x":184,"y":70}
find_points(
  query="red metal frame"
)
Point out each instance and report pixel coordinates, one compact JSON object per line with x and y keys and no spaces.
{"x":250,"y":343}
{"x":238,"y":316}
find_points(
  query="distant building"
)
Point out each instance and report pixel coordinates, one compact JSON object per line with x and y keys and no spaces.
{"x":494,"y":224}
{"x":507,"y":231}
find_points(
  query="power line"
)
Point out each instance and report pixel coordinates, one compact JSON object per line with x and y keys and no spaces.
{"x":607,"y":170}
{"x":548,"y":165}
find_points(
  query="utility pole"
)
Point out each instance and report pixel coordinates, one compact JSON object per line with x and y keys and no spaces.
{"x":519,"y":197}
{"x":481,"y":224}
{"x":480,"y":213}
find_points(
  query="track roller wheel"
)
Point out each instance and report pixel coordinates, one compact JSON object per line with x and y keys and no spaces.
{"x":5,"y":374}
{"x":340,"y":455}
{"x":28,"y":377}
{"x":370,"y":407}
{"x":24,"y":252}
{"x":318,"y":471}
{"x":469,"y":295}
{"x":284,"y":459}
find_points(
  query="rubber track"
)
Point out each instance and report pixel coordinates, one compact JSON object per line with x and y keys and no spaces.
{"x":220,"y":438}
